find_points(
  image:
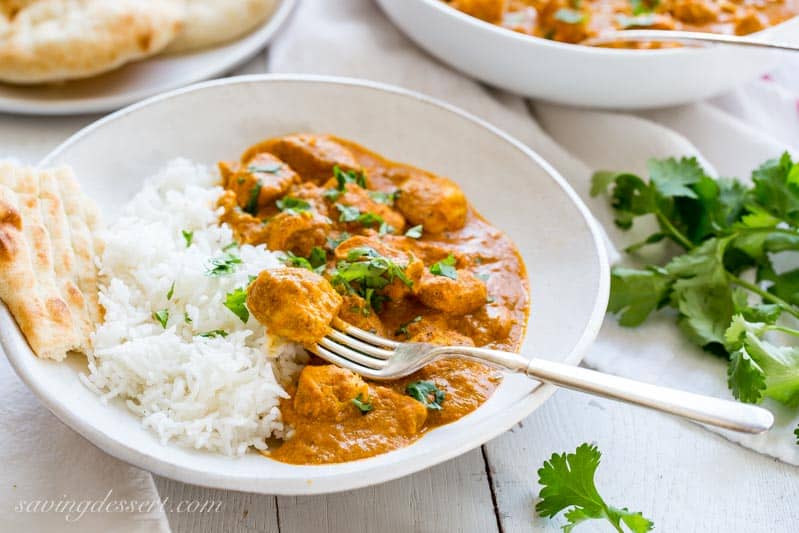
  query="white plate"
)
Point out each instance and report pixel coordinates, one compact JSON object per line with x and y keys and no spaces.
{"x":581,"y":75}
{"x":136,"y":81}
{"x":512,"y":186}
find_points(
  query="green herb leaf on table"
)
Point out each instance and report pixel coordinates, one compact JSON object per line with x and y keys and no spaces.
{"x":162,"y":317}
{"x":724,"y":284}
{"x":362,"y":404}
{"x":427,"y":393}
{"x":445,"y":267}
{"x":236,"y":301}
{"x":568,"y":485}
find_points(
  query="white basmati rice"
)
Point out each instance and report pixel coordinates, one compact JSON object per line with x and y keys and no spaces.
{"x":213,"y":393}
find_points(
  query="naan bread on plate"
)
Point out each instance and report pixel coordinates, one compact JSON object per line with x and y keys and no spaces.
{"x":213,"y":22}
{"x":55,"y":40}
{"x":48,"y":277}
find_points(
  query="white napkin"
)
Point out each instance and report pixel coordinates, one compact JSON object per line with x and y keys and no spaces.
{"x":353,"y":39}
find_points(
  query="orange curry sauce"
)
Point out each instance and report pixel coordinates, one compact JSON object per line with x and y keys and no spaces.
{"x":573,"y":21}
{"x":327,"y":424}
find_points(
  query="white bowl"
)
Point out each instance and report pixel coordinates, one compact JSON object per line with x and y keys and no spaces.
{"x":508,"y":183}
{"x":580,"y":75}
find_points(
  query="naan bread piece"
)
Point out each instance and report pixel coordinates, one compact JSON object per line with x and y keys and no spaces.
{"x":212,"y":22}
{"x":55,"y":40}
{"x":43,"y":279}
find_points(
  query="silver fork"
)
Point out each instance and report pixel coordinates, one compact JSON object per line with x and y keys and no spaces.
{"x":378,"y":358}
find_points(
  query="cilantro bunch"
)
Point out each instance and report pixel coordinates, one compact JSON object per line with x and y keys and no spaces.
{"x":726,"y":277}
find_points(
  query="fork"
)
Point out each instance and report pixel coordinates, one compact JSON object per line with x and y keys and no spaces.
{"x":378,"y":358}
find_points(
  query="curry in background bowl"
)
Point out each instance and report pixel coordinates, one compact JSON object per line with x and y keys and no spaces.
{"x":573,"y":21}
{"x":391,"y":249}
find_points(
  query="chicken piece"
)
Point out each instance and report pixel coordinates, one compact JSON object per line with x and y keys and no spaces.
{"x":410,"y":264}
{"x":455,"y":296}
{"x":397,"y":412}
{"x":311,"y":156}
{"x":247,"y":229}
{"x":326,"y":392}
{"x":356,"y":311}
{"x":297,"y":232}
{"x":750,"y":22}
{"x":435,"y":202}
{"x":486,"y":324}
{"x":695,"y":11}
{"x":294,"y":303}
{"x":356,"y":196}
{"x":258,"y":183}
{"x":488,"y":10}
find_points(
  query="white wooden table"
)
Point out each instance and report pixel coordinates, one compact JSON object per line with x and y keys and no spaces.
{"x":679,"y":475}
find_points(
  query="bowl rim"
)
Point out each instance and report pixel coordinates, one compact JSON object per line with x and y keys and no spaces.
{"x":523,"y":38}
{"x":484,"y":430}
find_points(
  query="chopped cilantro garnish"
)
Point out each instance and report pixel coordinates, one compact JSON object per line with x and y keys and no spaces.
{"x":214,"y":333}
{"x":365,"y":272}
{"x":188,"y":236}
{"x":403,"y":329}
{"x":162,"y":317}
{"x":482,"y":276}
{"x":171,"y":291}
{"x":186,"y":318}
{"x":316,"y":262}
{"x":385,"y":229}
{"x":252,"y":201}
{"x":427,"y":393}
{"x":362,"y":404}
{"x":415,"y":232}
{"x":381,"y":197}
{"x":223,"y":265}
{"x":643,"y":6}
{"x":293,"y":205}
{"x":271,"y":169}
{"x":343,"y":177}
{"x":445,"y":267}
{"x":638,"y":21}
{"x":569,"y":16}
{"x":230,"y":246}
{"x":333,"y":242}
{"x":236,"y":301}
{"x":332,"y":194}
{"x":318,"y":257}
{"x":353,"y":214}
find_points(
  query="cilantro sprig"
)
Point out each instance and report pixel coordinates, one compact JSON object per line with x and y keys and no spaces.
{"x":365,"y":272}
{"x":724,"y":281}
{"x":427,"y":393}
{"x":445,"y":267}
{"x":363,"y":404}
{"x":568,"y":484}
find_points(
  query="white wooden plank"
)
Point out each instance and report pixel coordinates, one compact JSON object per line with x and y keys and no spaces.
{"x":238,"y":513}
{"x":678,"y":474}
{"x":452,"y":497}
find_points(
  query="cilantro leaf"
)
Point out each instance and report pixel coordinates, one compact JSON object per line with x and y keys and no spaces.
{"x":236,"y":301}
{"x":252,"y":199}
{"x":223,"y":265}
{"x":672,"y":177}
{"x":362,"y":404}
{"x":568,"y":484}
{"x":636,"y":293}
{"x":162,"y":317}
{"x":271,"y":169}
{"x":365,"y":272}
{"x":414,"y":232}
{"x":570,"y":16}
{"x":796,"y":432}
{"x":214,"y":333}
{"x":171,"y":291}
{"x":188,"y":236}
{"x":353,"y":214}
{"x":445,"y":267}
{"x":773,"y":189}
{"x":293,"y":205}
{"x":343,"y":177}
{"x":427,"y":393}
{"x":381,"y":197}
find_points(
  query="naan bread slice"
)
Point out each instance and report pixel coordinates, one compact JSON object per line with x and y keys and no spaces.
{"x":54,"y":40}
{"x":44,"y":278}
{"x":213,"y":22}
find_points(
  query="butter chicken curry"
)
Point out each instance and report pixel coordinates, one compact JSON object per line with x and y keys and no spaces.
{"x":573,"y":21}
{"x":386,"y":247}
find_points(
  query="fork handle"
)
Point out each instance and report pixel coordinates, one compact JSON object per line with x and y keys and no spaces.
{"x":704,"y":409}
